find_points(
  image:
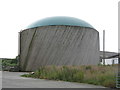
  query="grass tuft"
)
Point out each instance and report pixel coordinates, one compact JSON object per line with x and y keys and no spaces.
{"x":97,"y":75}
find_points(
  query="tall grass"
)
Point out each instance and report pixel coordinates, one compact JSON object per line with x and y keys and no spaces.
{"x":98,"y":75}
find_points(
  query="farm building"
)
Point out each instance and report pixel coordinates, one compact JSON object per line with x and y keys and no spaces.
{"x":58,"y":41}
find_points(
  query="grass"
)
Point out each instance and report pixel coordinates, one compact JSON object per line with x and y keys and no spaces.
{"x":97,"y":75}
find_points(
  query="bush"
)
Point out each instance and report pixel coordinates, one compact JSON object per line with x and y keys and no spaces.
{"x":10,"y":64}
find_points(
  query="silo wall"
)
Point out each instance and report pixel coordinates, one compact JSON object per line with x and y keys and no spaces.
{"x":58,"y":45}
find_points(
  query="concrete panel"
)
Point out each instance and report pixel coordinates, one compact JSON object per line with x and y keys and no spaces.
{"x":58,"y":45}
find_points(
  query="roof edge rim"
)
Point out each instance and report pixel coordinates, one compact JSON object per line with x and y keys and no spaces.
{"x":56,"y":25}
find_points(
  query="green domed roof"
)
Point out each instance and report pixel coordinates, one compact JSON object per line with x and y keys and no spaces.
{"x":60,"y":20}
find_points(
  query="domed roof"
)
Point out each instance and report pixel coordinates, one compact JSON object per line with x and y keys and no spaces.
{"x":60,"y":20}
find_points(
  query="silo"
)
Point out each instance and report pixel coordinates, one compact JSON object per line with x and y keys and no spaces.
{"x":58,"y":41}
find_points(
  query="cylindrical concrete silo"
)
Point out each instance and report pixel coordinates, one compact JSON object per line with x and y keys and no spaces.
{"x":58,"y":41}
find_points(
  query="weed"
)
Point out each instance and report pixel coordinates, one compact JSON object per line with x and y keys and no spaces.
{"x":98,"y":75}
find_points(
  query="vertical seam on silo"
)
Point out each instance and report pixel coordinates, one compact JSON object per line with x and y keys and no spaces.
{"x":25,"y":64}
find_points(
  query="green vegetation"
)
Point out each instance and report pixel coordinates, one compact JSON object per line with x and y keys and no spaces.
{"x":9,"y":64}
{"x":0,"y":64}
{"x":97,"y":75}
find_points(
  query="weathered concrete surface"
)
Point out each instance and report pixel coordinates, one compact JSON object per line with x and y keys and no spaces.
{"x":58,"y":45}
{"x":13,"y":80}
{"x":0,"y":80}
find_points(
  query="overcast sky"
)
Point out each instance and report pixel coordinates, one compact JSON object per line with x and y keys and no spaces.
{"x":15,"y":15}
